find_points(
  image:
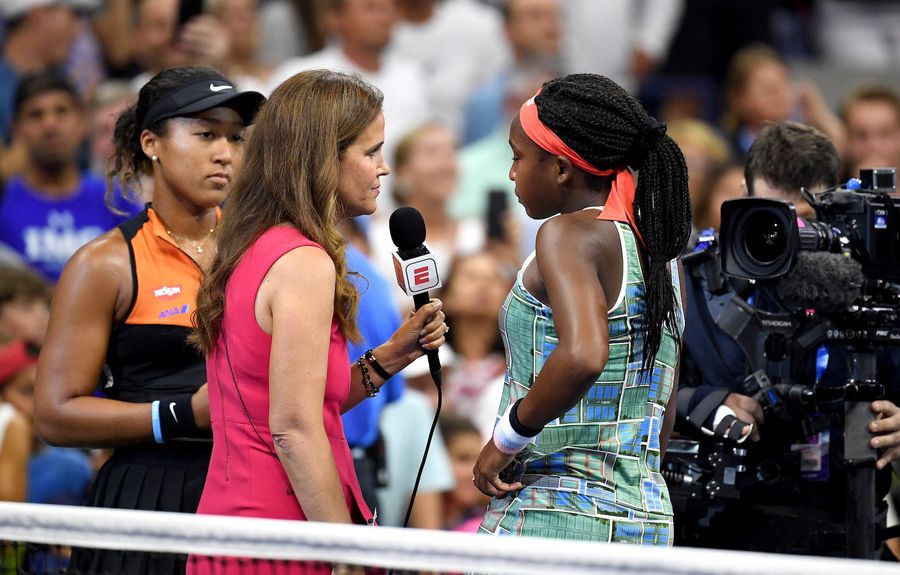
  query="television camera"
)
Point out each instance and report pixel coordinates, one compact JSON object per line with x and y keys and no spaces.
{"x":830,"y":283}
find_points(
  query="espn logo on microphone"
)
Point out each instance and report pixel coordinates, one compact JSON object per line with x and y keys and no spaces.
{"x":416,"y":275}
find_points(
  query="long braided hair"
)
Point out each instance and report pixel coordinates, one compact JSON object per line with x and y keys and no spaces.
{"x":610,"y":129}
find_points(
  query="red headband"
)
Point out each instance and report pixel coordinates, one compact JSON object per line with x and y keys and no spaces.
{"x":544,"y":137}
{"x":620,"y":203}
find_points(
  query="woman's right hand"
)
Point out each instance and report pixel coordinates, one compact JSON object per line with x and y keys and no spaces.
{"x":423,"y":329}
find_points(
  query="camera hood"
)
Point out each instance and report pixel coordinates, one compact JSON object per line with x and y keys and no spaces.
{"x":759,"y":238}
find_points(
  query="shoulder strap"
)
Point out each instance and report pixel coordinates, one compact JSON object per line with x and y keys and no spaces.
{"x":130,"y":229}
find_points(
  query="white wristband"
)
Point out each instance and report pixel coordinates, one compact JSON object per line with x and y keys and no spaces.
{"x":505,"y":437}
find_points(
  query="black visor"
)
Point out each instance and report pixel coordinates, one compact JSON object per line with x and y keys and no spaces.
{"x":205,"y":94}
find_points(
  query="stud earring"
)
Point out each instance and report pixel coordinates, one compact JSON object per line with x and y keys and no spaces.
{"x":154,"y":158}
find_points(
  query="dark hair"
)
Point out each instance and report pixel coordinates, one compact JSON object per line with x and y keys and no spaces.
{"x":34,"y":85}
{"x":610,"y":129}
{"x":16,"y":282}
{"x":129,"y":160}
{"x":789,"y":156}
{"x":453,"y":425}
{"x":289,"y":175}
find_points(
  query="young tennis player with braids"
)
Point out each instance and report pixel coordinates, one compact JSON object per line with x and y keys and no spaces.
{"x":592,"y":325}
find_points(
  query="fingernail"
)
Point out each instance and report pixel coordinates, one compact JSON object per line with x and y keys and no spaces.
{"x":874,"y":427}
{"x":875,"y":443}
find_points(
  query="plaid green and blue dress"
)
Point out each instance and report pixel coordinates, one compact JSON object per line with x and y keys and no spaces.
{"x":593,"y":474}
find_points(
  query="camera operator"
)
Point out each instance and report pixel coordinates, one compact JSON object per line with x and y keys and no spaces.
{"x":793,"y":503}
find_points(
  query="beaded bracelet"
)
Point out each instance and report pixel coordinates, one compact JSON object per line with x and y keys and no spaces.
{"x":371,"y":390}
{"x":382,"y":373}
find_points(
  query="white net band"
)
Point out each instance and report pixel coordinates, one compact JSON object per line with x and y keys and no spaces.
{"x":384,"y":547}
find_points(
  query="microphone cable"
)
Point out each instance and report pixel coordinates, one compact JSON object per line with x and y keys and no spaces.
{"x":437,"y":414}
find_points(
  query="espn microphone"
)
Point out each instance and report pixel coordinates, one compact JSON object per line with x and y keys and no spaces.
{"x":415,"y":267}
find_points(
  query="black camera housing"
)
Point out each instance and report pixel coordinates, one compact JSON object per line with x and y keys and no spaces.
{"x":760,"y":238}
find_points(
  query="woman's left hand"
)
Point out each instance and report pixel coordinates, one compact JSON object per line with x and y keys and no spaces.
{"x":486,"y":473}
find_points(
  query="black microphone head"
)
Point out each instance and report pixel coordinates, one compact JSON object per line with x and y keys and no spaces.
{"x":407,"y":228}
{"x":821,"y":280}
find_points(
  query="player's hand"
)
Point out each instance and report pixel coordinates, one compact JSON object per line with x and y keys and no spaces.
{"x":486,"y":473}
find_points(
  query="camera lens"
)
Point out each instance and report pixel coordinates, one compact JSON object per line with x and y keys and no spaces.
{"x":765,"y":237}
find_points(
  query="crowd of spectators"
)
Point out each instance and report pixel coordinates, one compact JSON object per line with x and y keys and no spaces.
{"x":453,"y":73}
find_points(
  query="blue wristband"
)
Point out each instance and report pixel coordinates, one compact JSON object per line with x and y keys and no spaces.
{"x":154,"y":418}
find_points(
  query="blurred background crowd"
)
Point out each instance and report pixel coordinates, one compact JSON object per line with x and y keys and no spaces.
{"x":453,"y":73}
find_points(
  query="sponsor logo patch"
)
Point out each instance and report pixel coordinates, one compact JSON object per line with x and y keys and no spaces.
{"x":167,"y":292}
{"x":174,"y":311}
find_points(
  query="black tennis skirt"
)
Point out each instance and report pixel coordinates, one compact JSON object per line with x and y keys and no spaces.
{"x":151,"y":477}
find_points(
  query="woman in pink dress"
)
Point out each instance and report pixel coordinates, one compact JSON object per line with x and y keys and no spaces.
{"x":277,"y":308}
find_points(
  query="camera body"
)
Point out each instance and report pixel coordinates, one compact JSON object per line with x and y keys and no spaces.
{"x":827,"y":288}
{"x":760,"y":238}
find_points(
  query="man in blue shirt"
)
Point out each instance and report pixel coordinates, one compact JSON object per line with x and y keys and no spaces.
{"x":52,"y":208}
{"x":377,"y":320}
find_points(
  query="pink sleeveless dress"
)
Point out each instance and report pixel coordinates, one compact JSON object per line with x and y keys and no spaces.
{"x":245,"y":476}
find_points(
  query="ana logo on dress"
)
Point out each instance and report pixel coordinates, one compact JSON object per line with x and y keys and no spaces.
{"x":174,"y":311}
{"x":166,"y":292}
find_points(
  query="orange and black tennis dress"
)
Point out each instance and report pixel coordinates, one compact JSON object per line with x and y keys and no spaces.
{"x":149,"y":359}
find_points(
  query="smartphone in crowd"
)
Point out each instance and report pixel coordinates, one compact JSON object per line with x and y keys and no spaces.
{"x":495,"y":215}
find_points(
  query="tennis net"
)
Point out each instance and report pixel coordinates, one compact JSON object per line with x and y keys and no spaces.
{"x":47,"y":538}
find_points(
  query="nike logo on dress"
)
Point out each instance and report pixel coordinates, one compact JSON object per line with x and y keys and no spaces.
{"x":172,"y":409}
{"x":215,"y":88}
